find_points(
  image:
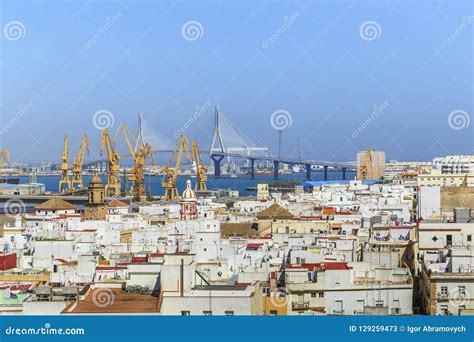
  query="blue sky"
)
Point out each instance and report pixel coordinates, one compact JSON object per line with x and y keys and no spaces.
{"x":311,"y":59}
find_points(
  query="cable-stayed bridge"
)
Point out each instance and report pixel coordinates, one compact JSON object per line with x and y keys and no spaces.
{"x":228,"y":141}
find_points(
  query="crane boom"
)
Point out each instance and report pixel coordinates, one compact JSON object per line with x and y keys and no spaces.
{"x":171,"y":174}
{"x":77,"y":182}
{"x":5,"y":158}
{"x":113,"y":178}
{"x":126,"y":131}
{"x":65,"y":182}
{"x":140,"y":156}
{"x":201,"y":169}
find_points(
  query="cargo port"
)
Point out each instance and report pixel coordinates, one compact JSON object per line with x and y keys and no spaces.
{"x":311,"y":159}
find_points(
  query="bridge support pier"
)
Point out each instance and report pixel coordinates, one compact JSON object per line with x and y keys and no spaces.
{"x":276,"y":164}
{"x":252,"y":168}
{"x":308,"y":171}
{"x":325,"y":172}
{"x":344,"y":169}
{"x":217,"y":165}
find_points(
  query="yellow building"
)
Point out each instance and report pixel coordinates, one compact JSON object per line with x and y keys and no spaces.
{"x":370,"y":164}
{"x":445,"y":179}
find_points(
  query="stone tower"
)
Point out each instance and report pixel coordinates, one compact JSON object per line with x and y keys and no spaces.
{"x":95,"y":208}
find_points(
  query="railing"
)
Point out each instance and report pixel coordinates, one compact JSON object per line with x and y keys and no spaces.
{"x":442,"y":297}
{"x":300,"y":305}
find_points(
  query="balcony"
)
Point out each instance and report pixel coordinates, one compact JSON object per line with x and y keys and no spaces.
{"x":442,"y":297}
{"x":299,"y":306}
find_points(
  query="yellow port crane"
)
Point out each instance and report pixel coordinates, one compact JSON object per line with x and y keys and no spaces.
{"x":139,"y":155}
{"x":65,"y":182}
{"x":201,"y":169}
{"x":112,"y":188}
{"x":171,"y":174}
{"x":76,"y":182}
{"x":5,"y":158}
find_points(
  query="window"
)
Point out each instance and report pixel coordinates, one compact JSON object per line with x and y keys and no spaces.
{"x":379,"y":303}
{"x":444,"y":290}
{"x":273,"y":313}
{"x":321,"y":294}
{"x":207,"y":313}
{"x":462,"y":290}
{"x":185,"y":313}
{"x":449,"y":240}
{"x":229,"y":313}
{"x":338,"y":306}
{"x":469,"y":238}
{"x":313,"y":294}
{"x":444,"y":310}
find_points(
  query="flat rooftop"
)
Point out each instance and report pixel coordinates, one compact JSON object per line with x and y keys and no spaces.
{"x":113,"y":300}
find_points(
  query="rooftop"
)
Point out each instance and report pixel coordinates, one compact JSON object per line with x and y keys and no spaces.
{"x":55,"y":203}
{"x":275,"y":212}
{"x":113,"y":300}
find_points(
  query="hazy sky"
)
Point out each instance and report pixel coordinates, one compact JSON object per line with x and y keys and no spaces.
{"x":348,"y":75}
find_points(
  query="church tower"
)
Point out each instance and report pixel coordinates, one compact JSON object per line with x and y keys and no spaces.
{"x":188,"y":202}
{"x":95,"y":208}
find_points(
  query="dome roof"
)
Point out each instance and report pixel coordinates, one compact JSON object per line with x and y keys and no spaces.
{"x":188,"y":194}
{"x":95,"y":180}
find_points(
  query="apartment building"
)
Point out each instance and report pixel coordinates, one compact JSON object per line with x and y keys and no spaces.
{"x":370,"y":164}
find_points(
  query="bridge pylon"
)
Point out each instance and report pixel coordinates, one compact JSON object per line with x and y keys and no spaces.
{"x":217,"y":136}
